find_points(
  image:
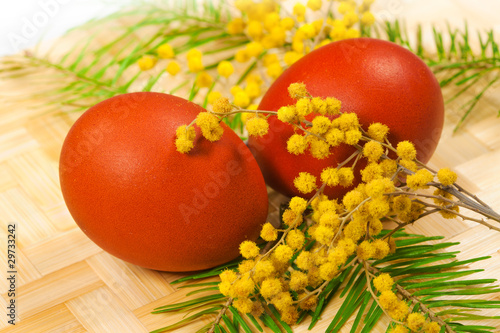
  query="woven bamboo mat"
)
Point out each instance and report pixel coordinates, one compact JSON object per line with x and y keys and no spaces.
{"x":65,"y":283}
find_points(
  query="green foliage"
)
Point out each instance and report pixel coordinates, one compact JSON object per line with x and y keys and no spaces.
{"x":427,"y":277}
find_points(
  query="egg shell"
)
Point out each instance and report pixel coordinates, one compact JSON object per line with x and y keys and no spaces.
{"x":139,"y":199}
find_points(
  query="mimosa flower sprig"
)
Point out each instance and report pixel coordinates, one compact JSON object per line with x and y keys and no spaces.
{"x":194,"y":49}
{"x":321,"y":238}
{"x":276,"y":38}
{"x":321,"y":135}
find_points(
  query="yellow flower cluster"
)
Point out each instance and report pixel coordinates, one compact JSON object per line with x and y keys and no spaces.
{"x":146,"y":62}
{"x":383,"y":282}
{"x":398,"y":309}
{"x":305,"y":182}
{"x":263,"y":274}
{"x":321,"y":133}
{"x":309,"y":265}
{"x":210,"y":129}
{"x":257,"y":126}
{"x":164,"y":51}
{"x":446,"y":176}
{"x":274,"y":38}
{"x":268,"y":232}
{"x":185,"y":138}
{"x":277,"y":39}
{"x":444,"y":200}
{"x":210,"y":126}
{"x":222,"y":105}
{"x":320,"y":236}
{"x":415,"y":322}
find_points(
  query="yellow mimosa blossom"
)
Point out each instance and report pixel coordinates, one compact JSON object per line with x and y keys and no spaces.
{"x":228,"y":275}
{"x":446,"y":176}
{"x":221,"y":105}
{"x":271,"y":20}
{"x":352,"y":199}
{"x":319,"y":148}
{"x":274,"y":70}
{"x":406,"y":150}
{"x":146,"y":62}
{"x":246,"y":266}
{"x":320,"y":125}
{"x":173,"y":68}
{"x":195,"y":64}
{"x":297,"y":144}
{"x":299,"y":10}
{"x":373,"y":150}
{"x":204,"y":80}
{"x":282,"y":300}
{"x":241,"y":99}
{"x":420,"y":179}
{"x":283,"y":253}
{"x":324,"y":234}
{"x":268,"y":232}
{"x":287,"y":23}
{"x":225,"y":68}
{"x":255,"y":30}
{"x":367,"y":18}
{"x":365,"y":250}
{"x":210,"y":126}
{"x":415,"y":321}
{"x":297,"y":90}
{"x":328,"y":271}
{"x":378,"y":131}
{"x":305,"y":182}
{"x":254,"y":49}
{"x":304,"y":260}
{"x":249,"y":249}
{"x":165,"y":51}
{"x":244,"y":286}
{"x":383,"y":282}
{"x":236,"y":26}
{"x":381,"y":247}
{"x":399,"y":329}
{"x":298,"y":280}
{"x":270,"y":287}
{"x":432,"y":327}
{"x":257,"y":126}
{"x":243,"y":304}
{"x":242,"y":56}
{"x":314,"y":4}
{"x":295,"y":239}
{"x":346,"y":176}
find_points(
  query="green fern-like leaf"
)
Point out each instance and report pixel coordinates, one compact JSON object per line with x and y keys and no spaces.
{"x":427,"y":276}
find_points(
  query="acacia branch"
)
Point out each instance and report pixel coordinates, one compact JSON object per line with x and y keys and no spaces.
{"x":221,"y":313}
{"x":406,"y":294}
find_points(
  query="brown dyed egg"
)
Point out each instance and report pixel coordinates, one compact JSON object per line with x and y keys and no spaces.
{"x":139,"y":199}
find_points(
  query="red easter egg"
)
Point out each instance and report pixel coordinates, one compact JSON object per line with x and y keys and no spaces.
{"x":138,"y":198}
{"x":378,"y":80}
